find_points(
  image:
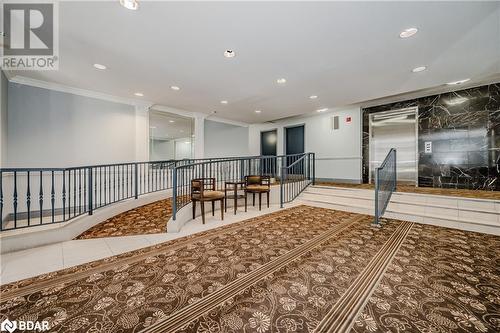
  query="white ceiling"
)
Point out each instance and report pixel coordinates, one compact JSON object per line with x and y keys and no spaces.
{"x":344,"y":52}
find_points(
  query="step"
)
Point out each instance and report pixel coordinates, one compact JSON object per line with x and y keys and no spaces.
{"x":481,"y":215}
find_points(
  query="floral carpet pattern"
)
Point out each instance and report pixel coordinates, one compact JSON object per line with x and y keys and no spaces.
{"x":148,"y":219}
{"x":442,"y":280}
{"x":280,"y":272}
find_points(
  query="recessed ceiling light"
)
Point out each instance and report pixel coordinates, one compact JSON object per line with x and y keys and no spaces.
{"x":175,"y":88}
{"x":457,"y":82}
{"x":419,"y":69}
{"x":313,"y":97}
{"x":139,"y":94}
{"x":281,"y":81}
{"x":229,"y":54}
{"x":187,"y":142}
{"x":99,"y":66}
{"x":258,"y":111}
{"x":223,"y":102}
{"x":130,"y":4}
{"x":408,"y":32}
{"x":322,"y":110}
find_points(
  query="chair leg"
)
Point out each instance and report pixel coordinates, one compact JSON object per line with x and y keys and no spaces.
{"x":268,"y":199}
{"x":246,"y":199}
{"x":253,"y":202}
{"x":194,"y":209}
{"x":222,"y":209}
{"x":202,"y":203}
{"x":213,"y":208}
{"x":225,"y":202}
{"x":260,"y":201}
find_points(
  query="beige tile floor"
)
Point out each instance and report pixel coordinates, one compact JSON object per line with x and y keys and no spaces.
{"x":32,"y":262}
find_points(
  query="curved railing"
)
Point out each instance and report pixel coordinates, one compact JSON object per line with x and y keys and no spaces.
{"x":235,"y":169}
{"x":32,"y":197}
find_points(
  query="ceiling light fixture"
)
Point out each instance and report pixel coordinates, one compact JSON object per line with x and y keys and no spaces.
{"x":139,"y":94}
{"x":130,"y":4}
{"x":457,"y":82}
{"x":281,"y":81}
{"x":408,"y":32}
{"x":322,"y":110}
{"x":313,"y":97}
{"x":223,"y":102}
{"x":171,"y":121}
{"x":229,"y":54}
{"x":258,"y":111}
{"x":419,"y":69}
{"x":175,"y":88}
{"x":99,"y":66}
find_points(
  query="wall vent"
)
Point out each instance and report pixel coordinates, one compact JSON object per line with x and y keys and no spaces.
{"x":335,"y":122}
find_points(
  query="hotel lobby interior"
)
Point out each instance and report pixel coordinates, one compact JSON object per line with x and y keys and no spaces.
{"x":240,"y":166}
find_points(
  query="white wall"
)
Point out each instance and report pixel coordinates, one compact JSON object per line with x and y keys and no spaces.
{"x":223,"y":140}
{"x":49,"y":128}
{"x":3,"y":118}
{"x":338,"y":152}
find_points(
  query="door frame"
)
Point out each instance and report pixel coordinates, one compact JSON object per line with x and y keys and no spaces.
{"x":370,"y":134}
{"x":284,"y":136}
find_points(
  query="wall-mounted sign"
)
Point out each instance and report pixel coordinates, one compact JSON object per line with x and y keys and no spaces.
{"x":348,"y":119}
{"x":428,"y":147}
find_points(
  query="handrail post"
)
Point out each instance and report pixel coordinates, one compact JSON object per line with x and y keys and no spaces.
{"x":282,"y":180}
{"x":314,"y":168}
{"x":136,"y":180}
{"x":396,"y":171}
{"x":90,"y":188}
{"x":174,"y":193}
{"x":376,"y":223}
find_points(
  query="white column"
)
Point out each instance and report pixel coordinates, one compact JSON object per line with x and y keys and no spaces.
{"x":141,"y":133}
{"x":199,"y":136}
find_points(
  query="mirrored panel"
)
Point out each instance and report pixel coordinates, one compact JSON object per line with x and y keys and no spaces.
{"x":170,"y":136}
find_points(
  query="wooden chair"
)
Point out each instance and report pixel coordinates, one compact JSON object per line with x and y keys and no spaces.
{"x":257,"y":184}
{"x":203,"y":190}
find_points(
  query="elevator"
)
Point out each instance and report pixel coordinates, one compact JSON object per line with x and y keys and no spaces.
{"x":395,"y":129}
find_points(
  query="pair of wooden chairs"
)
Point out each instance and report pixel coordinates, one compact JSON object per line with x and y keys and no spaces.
{"x":204,"y":190}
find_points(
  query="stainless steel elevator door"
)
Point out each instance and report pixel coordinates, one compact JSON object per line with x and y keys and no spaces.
{"x":395,"y":129}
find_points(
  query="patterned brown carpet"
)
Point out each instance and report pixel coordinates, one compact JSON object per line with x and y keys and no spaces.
{"x":148,"y":219}
{"x":302,"y":269}
{"x":493,"y":195}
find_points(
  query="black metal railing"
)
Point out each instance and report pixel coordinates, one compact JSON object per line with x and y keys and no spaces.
{"x":39,"y":196}
{"x":232,"y":169}
{"x":385,"y":184}
{"x":296,"y":176}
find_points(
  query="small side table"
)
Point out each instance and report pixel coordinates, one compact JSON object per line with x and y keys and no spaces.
{"x":232,"y":188}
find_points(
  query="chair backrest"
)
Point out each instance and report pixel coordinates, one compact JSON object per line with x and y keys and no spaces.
{"x":198,"y":185}
{"x":257,"y":180}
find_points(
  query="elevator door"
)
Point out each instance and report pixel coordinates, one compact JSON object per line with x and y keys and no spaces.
{"x":395,"y":129}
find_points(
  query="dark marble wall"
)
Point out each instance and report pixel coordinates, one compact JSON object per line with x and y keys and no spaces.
{"x":464,"y":128}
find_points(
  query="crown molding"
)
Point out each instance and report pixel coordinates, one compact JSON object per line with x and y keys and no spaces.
{"x":227,"y":121}
{"x":77,"y":91}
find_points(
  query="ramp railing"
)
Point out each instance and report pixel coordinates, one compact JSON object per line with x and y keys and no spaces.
{"x":385,"y":184}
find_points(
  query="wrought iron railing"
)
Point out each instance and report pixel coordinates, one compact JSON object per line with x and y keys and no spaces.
{"x":296,"y":176}
{"x":234,"y":169}
{"x":385,"y":184}
{"x":40,"y":196}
